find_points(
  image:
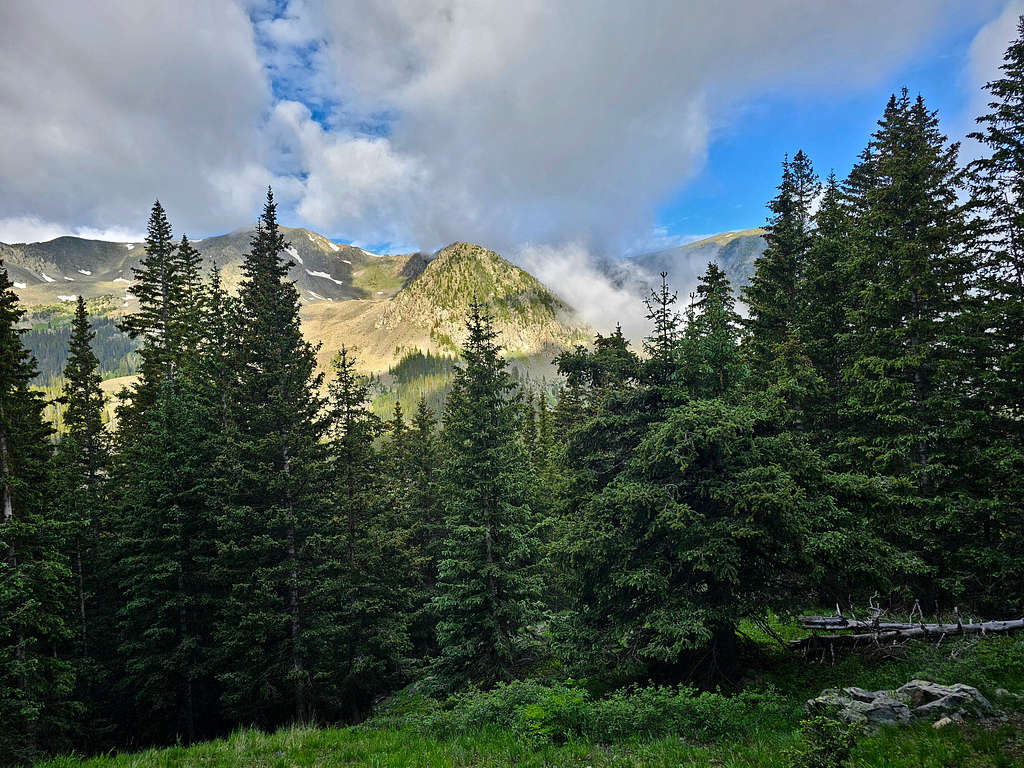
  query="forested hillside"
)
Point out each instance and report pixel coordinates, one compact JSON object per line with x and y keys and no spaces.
{"x":252,"y":546}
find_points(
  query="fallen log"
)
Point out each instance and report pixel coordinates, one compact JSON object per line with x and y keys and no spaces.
{"x":892,"y":632}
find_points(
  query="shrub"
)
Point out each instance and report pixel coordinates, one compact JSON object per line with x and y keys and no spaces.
{"x":558,"y":713}
{"x":827,"y":743}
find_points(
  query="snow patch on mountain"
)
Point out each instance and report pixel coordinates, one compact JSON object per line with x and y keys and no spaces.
{"x":324,"y":275}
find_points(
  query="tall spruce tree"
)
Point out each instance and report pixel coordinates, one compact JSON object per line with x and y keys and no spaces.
{"x":83,"y":464}
{"x":154,"y":285}
{"x":711,"y":361}
{"x":169,"y":443}
{"x":662,"y":345}
{"x":821,"y":322}
{"x":366,"y":569}
{"x":488,"y":582}
{"x":773,"y":296}
{"x":275,"y":470}
{"x":720,"y":512}
{"x":910,"y":335}
{"x":34,"y":575}
{"x":426,"y":522}
{"x":996,"y":181}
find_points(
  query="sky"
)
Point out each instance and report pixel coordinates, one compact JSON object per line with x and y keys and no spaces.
{"x":553,"y":132}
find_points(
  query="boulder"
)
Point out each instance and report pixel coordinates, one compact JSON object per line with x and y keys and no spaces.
{"x":929,"y":701}
{"x":855,"y":705}
{"x":917,"y":700}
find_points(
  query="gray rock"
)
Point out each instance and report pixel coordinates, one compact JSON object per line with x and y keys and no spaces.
{"x":929,"y":700}
{"x":917,"y":700}
{"x":871,"y":709}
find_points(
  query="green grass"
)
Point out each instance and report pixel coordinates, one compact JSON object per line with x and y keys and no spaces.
{"x":552,"y":723}
{"x":920,"y":746}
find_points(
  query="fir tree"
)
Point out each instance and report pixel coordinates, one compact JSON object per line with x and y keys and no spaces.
{"x":661,"y":345}
{"x":823,"y":302}
{"x":82,"y":471}
{"x":154,"y":286}
{"x":360,"y":610}
{"x":167,"y":547}
{"x":426,"y":522}
{"x":34,"y":575}
{"x":711,"y":361}
{"x":488,"y":581}
{"x":721,"y":512}
{"x":275,"y":470}
{"x":996,"y":181}
{"x":773,"y":298}
{"x":909,"y":336}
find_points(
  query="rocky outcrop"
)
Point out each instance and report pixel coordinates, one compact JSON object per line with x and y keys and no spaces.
{"x":917,"y":700}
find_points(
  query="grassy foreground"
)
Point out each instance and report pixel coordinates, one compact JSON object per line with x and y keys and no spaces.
{"x":920,"y":745}
{"x":549,"y":723}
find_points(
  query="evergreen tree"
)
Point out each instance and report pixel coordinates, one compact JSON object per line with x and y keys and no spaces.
{"x":167,"y":546}
{"x":366,"y":569}
{"x":426,"y":522}
{"x":488,"y":581}
{"x":154,"y":285}
{"x":275,"y":472}
{"x":711,"y":361}
{"x":909,"y":336}
{"x":170,"y":437}
{"x":34,"y":575}
{"x":823,"y":302}
{"x":721,"y":512}
{"x":661,"y":345}
{"x":773,"y":296}
{"x":996,"y":180}
{"x":82,"y":472}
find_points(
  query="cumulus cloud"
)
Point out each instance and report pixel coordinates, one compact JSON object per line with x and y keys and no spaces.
{"x":984,"y":57}
{"x":106,"y":105}
{"x":416,"y":121}
{"x":31,"y":229}
{"x":554,"y":122}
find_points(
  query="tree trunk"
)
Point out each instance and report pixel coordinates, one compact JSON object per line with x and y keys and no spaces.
{"x":892,"y":632}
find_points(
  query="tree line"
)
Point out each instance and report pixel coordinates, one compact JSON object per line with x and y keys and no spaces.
{"x":245,"y":549}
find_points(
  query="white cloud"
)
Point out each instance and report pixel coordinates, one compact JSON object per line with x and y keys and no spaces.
{"x":106,"y":105}
{"x":31,"y":229}
{"x":547,"y":122}
{"x":984,"y":57}
{"x":573,"y":273}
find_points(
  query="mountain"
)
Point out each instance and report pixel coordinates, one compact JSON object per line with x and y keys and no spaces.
{"x":46,"y":273}
{"x":428,"y":314}
{"x":383,"y":307}
{"x":734,"y":252}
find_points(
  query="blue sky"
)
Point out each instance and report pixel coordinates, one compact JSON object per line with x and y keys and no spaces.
{"x":579,"y":127}
{"x":743,"y":164}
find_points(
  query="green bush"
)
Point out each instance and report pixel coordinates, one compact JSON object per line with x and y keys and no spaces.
{"x":558,"y":713}
{"x":827,"y":743}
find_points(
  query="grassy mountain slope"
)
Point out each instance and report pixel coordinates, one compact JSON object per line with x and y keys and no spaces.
{"x":429,"y":313}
